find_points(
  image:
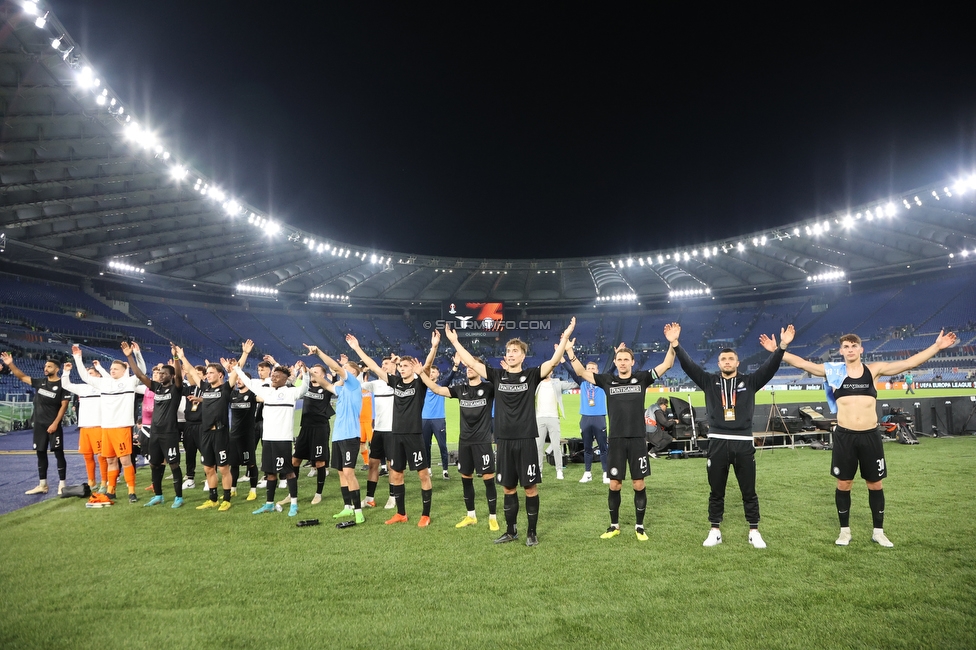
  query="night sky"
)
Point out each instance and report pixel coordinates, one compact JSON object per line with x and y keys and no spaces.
{"x":485,"y":130}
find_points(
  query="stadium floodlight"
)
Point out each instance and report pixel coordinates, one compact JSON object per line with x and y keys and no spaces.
{"x":630,"y":261}
{"x":41,"y":21}
{"x":85,"y":77}
{"x":847,"y":223}
{"x":56,"y":43}
{"x":100,"y":100}
{"x":740,"y":247}
{"x":685,"y":257}
{"x":30,"y":8}
{"x":890,"y":209}
{"x":936,"y":195}
{"x":123,"y":267}
{"x":829,"y":276}
{"x":178,"y":172}
{"x":255,"y":290}
{"x":660,"y":259}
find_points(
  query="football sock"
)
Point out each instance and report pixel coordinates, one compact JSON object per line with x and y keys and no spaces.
{"x":640,"y":505}
{"x":877,"y":502}
{"x":511,"y":508}
{"x":492,"y":495}
{"x":532,"y":511}
{"x":130,"y":478}
{"x":401,"y":495}
{"x":177,"y":479}
{"x":41,"y":464}
{"x":157,"y":472}
{"x":90,"y":468}
{"x":467,"y":488}
{"x":843,"y":500}
{"x":613,"y":500}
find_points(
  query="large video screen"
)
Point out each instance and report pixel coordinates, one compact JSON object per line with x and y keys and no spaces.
{"x":475,"y":316}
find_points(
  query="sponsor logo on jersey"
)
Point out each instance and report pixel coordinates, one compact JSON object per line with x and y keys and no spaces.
{"x":240,"y":405}
{"x":318,"y":395}
{"x":46,"y":393}
{"x":624,"y":390}
{"x":410,"y":392}
{"x":162,"y":397}
{"x":472,"y":403}
{"x":214,"y":394}
{"x":513,"y":388}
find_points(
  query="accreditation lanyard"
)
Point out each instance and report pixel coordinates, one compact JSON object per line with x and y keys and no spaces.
{"x":728,"y":398}
{"x":591,"y":394}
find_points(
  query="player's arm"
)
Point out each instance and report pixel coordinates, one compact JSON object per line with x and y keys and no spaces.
{"x":230,"y":367}
{"x":69,"y":385}
{"x":365,"y":358}
{"x":435,"y":341}
{"x":57,"y":420}
{"x":192,"y":374}
{"x":140,"y":361}
{"x":8,"y":360}
{"x":768,"y":369}
{"x":577,"y":365}
{"x":137,"y":370}
{"x":672,"y":332}
{"x":815,"y":369}
{"x":889,"y":368}
{"x":85,"y":377}
{"x":433,"y":386}
{"x":466,"y":357}
{"x":333,"y":365}
{"x":177,"y":366}
{"x":692,"y":369}
{"x":560,"y":350}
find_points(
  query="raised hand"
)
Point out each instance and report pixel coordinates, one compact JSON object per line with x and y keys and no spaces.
{"x":75,"y":350}
{"x":457,"y":358}
{"x":787,"y":333}
{"x":247,"y":346}
{"x":450,"y":333}
{"x":343,"y":359}
{"x":270,"y":359}
{"x":312,"y":349}
{"x":126,"y":348}
{"x":769,"y":343}
{"x":135,"y":347}
{"x":352,"y":341}
{"x":96,"y":363}
{"x":225,"y":363}
{"x":67,"y":367}
{"x":7,"y":358}
{"x":945,"y":340}
{"x":435,"y":338}
{"x":672,"y":331}
{"x":569,"y":328}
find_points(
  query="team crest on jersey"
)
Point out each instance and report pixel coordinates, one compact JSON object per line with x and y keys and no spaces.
{"x":121,"y":385}
{"x":633,"y":380}
{"x":522,"y":378}
{"x":741,"y":385}
{"x":480,"y":392}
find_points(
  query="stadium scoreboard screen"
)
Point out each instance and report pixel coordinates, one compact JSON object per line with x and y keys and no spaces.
{"x":474,"y":317}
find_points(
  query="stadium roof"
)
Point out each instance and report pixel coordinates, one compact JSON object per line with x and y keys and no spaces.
{"x":86,"y":188}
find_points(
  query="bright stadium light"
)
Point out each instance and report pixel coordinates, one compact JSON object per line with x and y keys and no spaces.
{"x":56,"y":43}
{"x":85,"y":77}
{"x":30,"y":8}
{"x":178,"y":172}
{"x":41,"y":20}
{"x":740,"y":247}
{"x":890,"y":209}
{"x":255,"y":290}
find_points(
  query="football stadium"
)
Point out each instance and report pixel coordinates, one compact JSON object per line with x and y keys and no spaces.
{"x":112,"y":240}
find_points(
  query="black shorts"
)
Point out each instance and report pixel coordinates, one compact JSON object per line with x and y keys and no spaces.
{"x":407,"y":449}
{"x":242,"y":449}
{"x":44,"y":440}
{"x":259,"y":430}
{"x":518,"y":462}
{"x":141,"y":438}
{"x":379,"y":445}
{"x":276,"y":458}
{"x":853,"y":448}
{"x":345,"y":453}
{"x":191,"y":435}
{"x":162,"y":448}
{"x":476,"y":458}
{"x":214,"y":446}
{"x":313,"y":443}
{"x":624,"y":452}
